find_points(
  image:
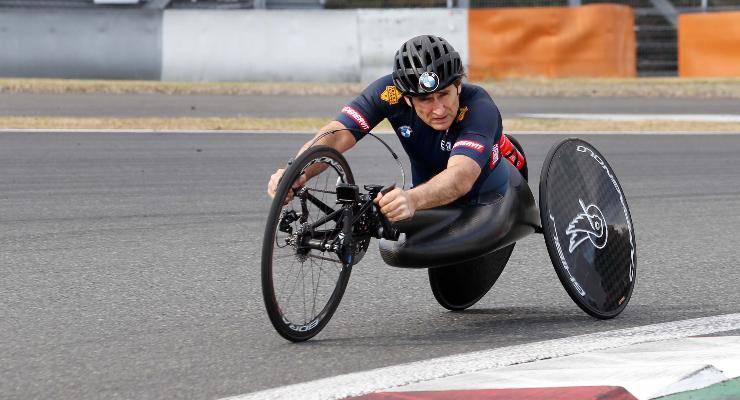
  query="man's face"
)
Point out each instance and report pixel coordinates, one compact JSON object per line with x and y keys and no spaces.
{"x":439,"y":109}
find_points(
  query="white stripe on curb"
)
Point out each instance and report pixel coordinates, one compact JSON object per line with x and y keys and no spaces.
{"x":359,"y":383}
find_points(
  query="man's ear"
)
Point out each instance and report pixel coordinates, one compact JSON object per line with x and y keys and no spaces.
{"x":408,"y":101}
{"x":459,"y":89}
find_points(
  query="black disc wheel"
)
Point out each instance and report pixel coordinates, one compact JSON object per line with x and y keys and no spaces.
{"x":588,"y":228}
{"x":303,"y":279}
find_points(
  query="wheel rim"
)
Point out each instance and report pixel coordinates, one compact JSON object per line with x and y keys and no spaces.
{"x":305,"y":282}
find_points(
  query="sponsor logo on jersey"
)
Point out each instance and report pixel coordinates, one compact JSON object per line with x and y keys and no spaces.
{"x":357,"y":117}
{"x":495,"y":156}
{"x":445,"y":145}
{"x":428,"y":81}
{"x":587,"y":225}
{"x":471,"y":144}
{"x":405,"y":131}
{"x":461,"y":113}
{"x":390,"y":95}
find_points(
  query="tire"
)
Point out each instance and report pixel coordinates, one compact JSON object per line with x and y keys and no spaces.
{"x":289,"y":270}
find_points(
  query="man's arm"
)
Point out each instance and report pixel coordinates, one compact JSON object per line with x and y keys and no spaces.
{"x":342,"y":141}
{"x":444,"y":188}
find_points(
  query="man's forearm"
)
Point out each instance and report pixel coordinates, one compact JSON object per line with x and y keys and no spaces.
{"x":444,"y":188}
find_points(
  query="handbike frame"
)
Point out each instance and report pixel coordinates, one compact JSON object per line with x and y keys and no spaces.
{"x":357,"y":218}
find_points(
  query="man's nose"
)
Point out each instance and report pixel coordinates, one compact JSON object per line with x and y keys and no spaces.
{"x":437,"y":107}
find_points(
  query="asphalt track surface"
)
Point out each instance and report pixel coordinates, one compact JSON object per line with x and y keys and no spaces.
{"x":281,"y":106}
{"x":130,"y":264}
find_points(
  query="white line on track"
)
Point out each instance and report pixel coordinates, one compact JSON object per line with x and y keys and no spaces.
{"x":638,"y":117}
{"x":358,"y":383}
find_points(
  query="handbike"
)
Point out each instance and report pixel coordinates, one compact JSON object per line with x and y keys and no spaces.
{"x":316,"y":233}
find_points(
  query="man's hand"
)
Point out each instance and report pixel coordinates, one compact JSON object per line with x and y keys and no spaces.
{"x":275,"y":179}
{"x":396,"y":205}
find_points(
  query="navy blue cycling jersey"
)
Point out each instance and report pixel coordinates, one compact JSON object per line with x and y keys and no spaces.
{"x":476,"y":132}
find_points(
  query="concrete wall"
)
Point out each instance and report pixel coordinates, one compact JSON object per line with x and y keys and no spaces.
{"x":217,"y":45}
{"x":258,"y":45}
{"x":382,"y":32}
{"x":315,"y":45}
{"x":120,"y":44}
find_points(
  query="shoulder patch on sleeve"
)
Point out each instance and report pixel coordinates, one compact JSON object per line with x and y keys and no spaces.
{"x":391,"y":95}
{"x":461,"y":113}
{"x":357,"y":117}
{"x":471,"y":144}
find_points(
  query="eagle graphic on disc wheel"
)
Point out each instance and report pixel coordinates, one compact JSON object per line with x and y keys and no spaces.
{"x":588,"y":225}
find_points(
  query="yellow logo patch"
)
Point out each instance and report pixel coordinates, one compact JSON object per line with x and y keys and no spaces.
{"x":391,"y":94}
{"x":461,"y":113}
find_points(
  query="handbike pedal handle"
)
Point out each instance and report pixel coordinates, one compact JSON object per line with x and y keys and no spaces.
{"x":375,"y":189}
{"x":388,"y":188}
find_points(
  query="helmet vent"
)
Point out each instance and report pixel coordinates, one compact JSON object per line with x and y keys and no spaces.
{"x":417,"y":62}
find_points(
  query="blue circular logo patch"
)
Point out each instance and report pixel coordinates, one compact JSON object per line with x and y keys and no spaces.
{"x":405,"y":131}
{"x":429,"y":81}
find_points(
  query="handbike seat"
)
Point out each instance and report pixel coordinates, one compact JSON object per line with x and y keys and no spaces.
{"x":454,"y":234}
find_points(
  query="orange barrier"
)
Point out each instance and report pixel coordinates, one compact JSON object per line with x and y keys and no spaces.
{"x":589,"y":41}
{"x":709,"y":44}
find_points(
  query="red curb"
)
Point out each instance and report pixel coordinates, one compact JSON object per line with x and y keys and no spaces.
{"x":552,"y":393}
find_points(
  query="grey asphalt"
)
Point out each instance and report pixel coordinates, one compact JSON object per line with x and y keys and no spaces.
{"x":161,"y":105}
{"x":130,"y":265}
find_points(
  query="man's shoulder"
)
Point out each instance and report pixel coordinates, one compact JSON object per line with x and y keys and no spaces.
{"x":472,"y":93}
{"x":384,"y":89}
{"x":477,"y":102}
{"x":477,"y":111}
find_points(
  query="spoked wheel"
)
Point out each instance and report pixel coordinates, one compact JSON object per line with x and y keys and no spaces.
{"x":303,"y":278}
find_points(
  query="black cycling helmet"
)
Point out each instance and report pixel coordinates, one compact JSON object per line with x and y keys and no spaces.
{"x":426,"y":64}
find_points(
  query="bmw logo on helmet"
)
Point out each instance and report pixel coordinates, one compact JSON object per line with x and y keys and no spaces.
{"x":429,"y":81}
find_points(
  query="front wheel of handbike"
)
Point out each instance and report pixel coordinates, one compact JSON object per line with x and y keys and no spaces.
{"x":302,"y":286}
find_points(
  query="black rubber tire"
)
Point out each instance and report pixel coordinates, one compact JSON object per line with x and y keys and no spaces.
{"x":457,"y":287}
{"x":293,"y":330}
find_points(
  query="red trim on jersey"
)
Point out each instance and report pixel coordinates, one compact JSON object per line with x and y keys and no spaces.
{"x":495,"y":157}
{"x":357,"y":117}
{"x":471,"y":144}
